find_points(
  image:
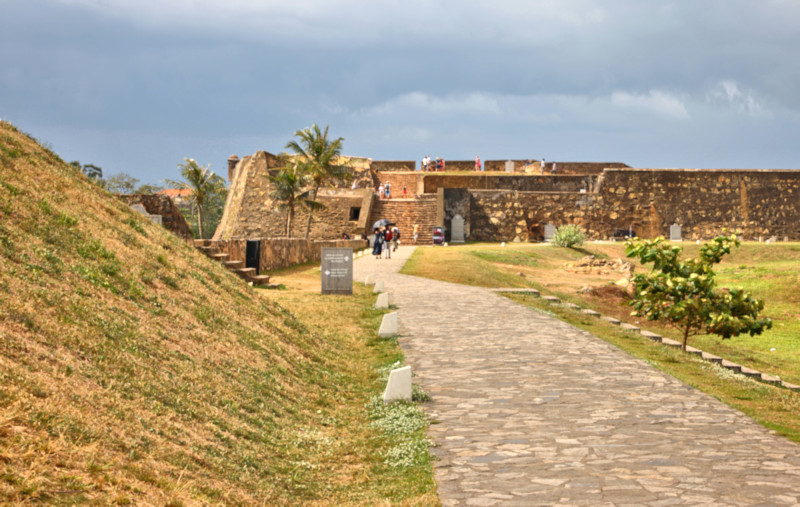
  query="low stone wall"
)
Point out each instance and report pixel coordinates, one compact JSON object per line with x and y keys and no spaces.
{"x":526,"y":183}
{"x":159,"y":204}
{"x":278,"y":253}
{"x":393,"y":165}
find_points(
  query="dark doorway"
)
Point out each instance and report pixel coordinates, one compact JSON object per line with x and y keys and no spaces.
{"x":253,"y":254}
{"x":355,"y":213}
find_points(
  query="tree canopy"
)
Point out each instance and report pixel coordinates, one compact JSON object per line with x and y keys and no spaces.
{"x":683,"y":293}
{"x":204,"y":184}
{"x":322,"y":155}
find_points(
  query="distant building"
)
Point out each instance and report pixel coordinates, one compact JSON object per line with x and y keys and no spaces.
{"x":179,"y":195}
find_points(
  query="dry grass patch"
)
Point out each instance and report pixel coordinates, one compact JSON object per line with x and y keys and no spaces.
{"x":134,"y":370}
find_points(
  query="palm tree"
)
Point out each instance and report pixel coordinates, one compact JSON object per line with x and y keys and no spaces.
{"x":289,"y":187}
{"x":203,"y":183}
{"x":322,"y":155}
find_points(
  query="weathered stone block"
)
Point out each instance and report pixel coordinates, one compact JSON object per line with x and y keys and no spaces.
{"x":382,"y":301}
{"x":389,"y":325}
{"x":398,"y":387}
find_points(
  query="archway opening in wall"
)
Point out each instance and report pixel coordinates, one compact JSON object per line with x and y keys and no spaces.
{"x":355,"y":213}
{"x":535,"y":232}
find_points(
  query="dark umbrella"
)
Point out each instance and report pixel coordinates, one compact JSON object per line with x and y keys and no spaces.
{"x":381,"y":223}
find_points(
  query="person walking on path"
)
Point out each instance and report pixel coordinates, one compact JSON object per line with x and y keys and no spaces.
{"x":553,"y":170}
{"x":416,"y":232}
{"x":380,"y":191}
{"x":387,"y":187}
{"x":387,"y":238}
{"x":395,"y":238}
{"x":405,"y":192}
{"x":378,"y":242}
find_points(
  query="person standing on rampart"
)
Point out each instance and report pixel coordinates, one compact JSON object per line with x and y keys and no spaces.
{"x":543,"y":164}
{"x":553,"y":170}
{"x":405,"y":192}
{"x":387,"y":187}
{"x":380,"y":191}
{"x":478,"y":166}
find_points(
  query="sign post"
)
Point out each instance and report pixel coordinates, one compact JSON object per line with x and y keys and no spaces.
{"x":337,"y":271}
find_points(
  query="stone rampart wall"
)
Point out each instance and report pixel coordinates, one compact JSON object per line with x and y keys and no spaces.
{"x":758,"y":202}
{"x":278,"y":253}
{"x":159,"y":204}
{"x":703,"y":202}
{"x":394,"y":165}
{"x":433,"y":182}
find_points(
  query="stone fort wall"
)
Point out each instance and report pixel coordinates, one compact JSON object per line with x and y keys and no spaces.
{"x":501,"y":206}
{"x":760,"y":203}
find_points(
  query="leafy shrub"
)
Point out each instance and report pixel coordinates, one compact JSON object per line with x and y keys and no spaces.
{"x":569,"y":236}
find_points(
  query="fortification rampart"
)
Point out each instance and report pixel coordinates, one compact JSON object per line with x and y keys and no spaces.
{"x":277,"y":253}
{"x":433,"y":182}
{"x":500,"y":206}
{"x":159,"y":204}
{"x":760,"y":203}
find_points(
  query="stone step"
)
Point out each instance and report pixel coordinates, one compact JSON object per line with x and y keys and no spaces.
{"x":652,"y":336}
{"x":201,"y":242}
{"x":221,"y":257}
{"x":260,"y":280}
{"x":245,"y":273}
{"x":233,"y":264}
{"x":205,"y":249}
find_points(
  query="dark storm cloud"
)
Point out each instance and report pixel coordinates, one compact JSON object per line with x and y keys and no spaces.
{"x":136,"y":86}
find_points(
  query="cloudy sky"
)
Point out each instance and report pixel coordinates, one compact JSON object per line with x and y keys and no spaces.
{"x":136,"y":85}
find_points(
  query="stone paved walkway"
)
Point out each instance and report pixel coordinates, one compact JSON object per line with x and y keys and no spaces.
{"x":532,"y":411}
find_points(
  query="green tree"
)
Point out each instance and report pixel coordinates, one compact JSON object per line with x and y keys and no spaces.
{"x":290,"y":189}
{"x":92,"y":171}
{"x":121,"y":183}
{"x":322,"y":155}
{"x":683,"y":293}
{"x":149,"y":188}
{"x":204,"y":184}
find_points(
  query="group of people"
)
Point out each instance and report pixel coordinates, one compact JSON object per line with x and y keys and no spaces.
{"x":386,"y":240}
{"x":385,"y":191}
{"x":435,"y":165}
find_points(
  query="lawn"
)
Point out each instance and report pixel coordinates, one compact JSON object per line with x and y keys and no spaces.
{"x":770,"y":272}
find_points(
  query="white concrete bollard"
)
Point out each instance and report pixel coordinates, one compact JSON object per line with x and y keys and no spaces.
{"x":378,"y":287}
{"x":383,"y":301}
{"x":370,"y":280}
{"x":398,"y":388}
{"x":388,"y":325}
{"x":503,"y":244}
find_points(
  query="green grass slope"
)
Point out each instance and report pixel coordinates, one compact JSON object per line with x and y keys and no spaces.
{"x":133,"y":369}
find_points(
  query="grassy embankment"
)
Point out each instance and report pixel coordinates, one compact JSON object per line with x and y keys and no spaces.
{"x":770,"y":272}
{"x":134,"y":370}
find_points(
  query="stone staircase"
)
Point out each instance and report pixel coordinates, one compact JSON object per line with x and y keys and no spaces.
{"x":405,"y":213}
{"x":247,"y":274}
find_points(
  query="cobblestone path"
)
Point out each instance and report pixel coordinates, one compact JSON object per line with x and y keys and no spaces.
{"x":532,"y":411}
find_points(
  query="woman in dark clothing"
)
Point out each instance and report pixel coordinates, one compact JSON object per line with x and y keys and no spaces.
{"x":378,"y":245}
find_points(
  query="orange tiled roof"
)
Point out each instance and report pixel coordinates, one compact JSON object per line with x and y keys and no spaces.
{"x":182,"y":193}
